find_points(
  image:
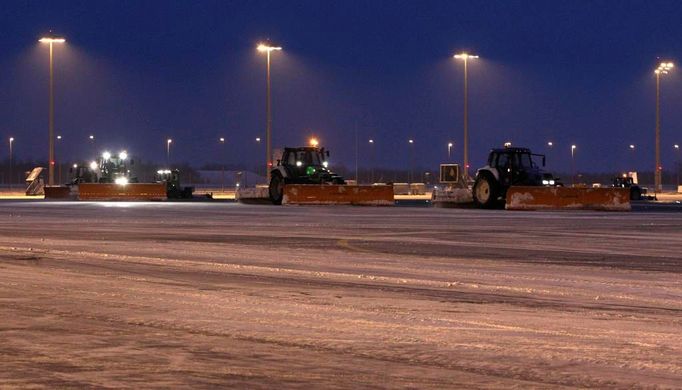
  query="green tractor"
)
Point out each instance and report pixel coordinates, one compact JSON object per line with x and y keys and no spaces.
{"x":302,"y":165}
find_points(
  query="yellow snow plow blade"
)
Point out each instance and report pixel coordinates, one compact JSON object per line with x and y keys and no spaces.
{"x":333,"y":194}
{"x":559,"y":198}
{"x":130,"y":191}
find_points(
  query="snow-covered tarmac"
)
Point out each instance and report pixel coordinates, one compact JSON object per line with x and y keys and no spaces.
{"x":205,"y":294}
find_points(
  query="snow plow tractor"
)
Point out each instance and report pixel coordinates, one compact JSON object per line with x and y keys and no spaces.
{"x":302,"y":176}
{"x":514,"y":180}
{"x":171,"y":179}
{"x":108,"y":178}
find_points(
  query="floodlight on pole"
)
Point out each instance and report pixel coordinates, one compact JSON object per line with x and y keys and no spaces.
{"x":663,"y":68}
{"x":11,"y":141}
{"x":169,"y":141}
{"x":51,"y":40}
{"x":465,"y":144}
{"x":267,"y":49}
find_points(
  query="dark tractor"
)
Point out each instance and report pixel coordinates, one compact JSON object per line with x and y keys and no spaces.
{"x":636,"y":191}
{"x":173,"y":188}
{"x":108,"y":168}
{"x":508,"y":167}
{"x":303,"y":165}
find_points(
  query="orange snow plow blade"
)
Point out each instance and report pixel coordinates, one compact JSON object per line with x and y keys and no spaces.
{"x":338,"y":194}
{"x":57,"y":192}
{"x":568,"y":198}
{"x":130,"y":191}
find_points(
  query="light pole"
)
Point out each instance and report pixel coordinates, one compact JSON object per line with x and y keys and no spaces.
{"x":678,"y":165}
{"x":50,"y":40}
{"x":59,"y":163}
{"x":634,"y":160}
{"x":450,"y":144}
{"x":11,"y":141}
{"x":222,"y":159}
{"x":663,"y":68}
{"x":411,"y":143}
{"x":465,"y":57}
{"x":168,"y":144}
{"x":573,"y":147}
{"x":91,"y":137}
{"x":371,"y":161}
{"x":267,"y":49}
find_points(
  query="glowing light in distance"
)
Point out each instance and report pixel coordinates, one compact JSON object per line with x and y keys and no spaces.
{"x":464,"y":56}
{"x":51,"y":40}
{"x":262,"y":47}
{"x":314,"y":142}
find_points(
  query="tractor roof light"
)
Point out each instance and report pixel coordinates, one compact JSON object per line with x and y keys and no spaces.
{"x":314,"y":142}
{"x":123,"y":155}
{"x":106,"y":155}
{"x":94,"y":166}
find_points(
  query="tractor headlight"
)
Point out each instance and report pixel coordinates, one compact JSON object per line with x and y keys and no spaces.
{"x":325,"y":164}
{"x":552,"y":182}
{"x":94,"y":166}
{"x":121,"y":181}
{"x":299,"y":163}
{"x":545,"y":182}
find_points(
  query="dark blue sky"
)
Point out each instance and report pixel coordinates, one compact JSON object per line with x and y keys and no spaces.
{"x":137,"y":72}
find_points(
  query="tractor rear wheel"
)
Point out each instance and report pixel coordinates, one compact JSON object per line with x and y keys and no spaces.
{"x":276,"y":188}
{"x":486,"y":191}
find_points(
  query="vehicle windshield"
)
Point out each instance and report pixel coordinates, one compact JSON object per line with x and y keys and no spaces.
{"x":525,"y":161}
{"x":308,"y":158}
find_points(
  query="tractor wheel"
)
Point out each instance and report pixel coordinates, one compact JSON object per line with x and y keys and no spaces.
{"x":635,"y":193}
{"x":276,"y":188}
{"x":486,"y":191}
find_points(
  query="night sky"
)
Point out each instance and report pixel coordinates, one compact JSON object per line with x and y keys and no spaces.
{"x":135,"y":73}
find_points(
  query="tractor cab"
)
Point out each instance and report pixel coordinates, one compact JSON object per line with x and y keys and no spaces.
{"x":307,"y":165}
{"x":114,"y":168}
{"x":508,"y":167}
{"x":171,"y":178}
{"x":515,"y":166}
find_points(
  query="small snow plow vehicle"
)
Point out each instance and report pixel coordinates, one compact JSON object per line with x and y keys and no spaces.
{"x":171,"y":179}
{"x":108,"y":178}
{"x":302,"y":176}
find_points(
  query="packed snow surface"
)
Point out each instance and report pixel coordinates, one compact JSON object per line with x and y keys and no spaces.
{"x":211,"y":294}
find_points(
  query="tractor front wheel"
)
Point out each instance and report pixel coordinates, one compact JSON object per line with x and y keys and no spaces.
{"x":486,"y":191}
{"x":276,"y":188}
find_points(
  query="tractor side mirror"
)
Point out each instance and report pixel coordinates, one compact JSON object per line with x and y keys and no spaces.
{"x":327,"y":153}
{"x":543,"y":161}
